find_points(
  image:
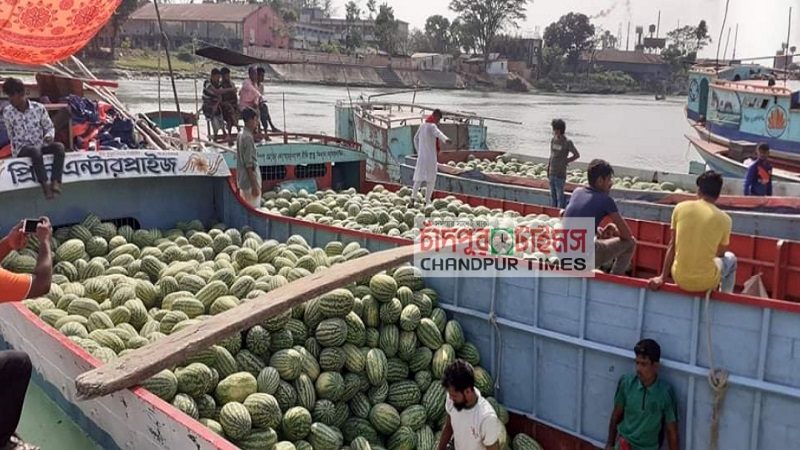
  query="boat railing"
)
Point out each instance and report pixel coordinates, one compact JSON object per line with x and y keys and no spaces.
{"x":745,"y":87}
{"x":288,"y":137}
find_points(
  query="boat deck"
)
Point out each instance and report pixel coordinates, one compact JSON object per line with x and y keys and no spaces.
{"x":44,"y":424}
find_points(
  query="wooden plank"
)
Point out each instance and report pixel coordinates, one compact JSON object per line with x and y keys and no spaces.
{"x":136,"y":366}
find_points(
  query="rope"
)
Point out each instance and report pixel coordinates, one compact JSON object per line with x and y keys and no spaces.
{"x":498,"y":345}
{"x":717,"y":380}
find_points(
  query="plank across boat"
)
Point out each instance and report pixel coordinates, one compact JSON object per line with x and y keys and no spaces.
{"x":571,"y":338}
{"x":780,"y":223}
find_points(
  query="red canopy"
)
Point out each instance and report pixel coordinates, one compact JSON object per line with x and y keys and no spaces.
{"x":45,"y":31}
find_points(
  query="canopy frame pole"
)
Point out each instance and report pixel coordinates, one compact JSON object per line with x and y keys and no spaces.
{"x":165,"y":40}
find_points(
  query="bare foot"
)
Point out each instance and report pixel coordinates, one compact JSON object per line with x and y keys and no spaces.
{"x":48,"y":192}
{"x":56,"y":187}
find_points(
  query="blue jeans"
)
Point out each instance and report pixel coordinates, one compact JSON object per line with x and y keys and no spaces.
{"x":727,"y":266}
{"x":558,"y":199}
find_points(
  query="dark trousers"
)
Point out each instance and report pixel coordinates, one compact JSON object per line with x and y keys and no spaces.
{"x":35,"y":154}
{"x":266,"y":120}
{"x":15,"y":372}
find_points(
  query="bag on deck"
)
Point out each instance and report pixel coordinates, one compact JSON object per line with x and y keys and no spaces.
{"x":755,"y":287}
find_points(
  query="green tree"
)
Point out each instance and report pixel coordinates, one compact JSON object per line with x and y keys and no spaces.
{"x":701,"y":34}
{"x":386,"y":29}
{"x":463,"y":35}
{"x":372,"y":8}
{"x":607,"y":40}
{"x":570,"y":36}
{"x":437,"y":30}
{"x":684,"y":43}
{"x":418,"y":42}
{"x":352,"y":39}
{"x":487,"y":18}
{"x":126,"y":7}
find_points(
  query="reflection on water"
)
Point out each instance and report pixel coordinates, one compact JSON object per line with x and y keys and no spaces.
{"x":625,"y":130}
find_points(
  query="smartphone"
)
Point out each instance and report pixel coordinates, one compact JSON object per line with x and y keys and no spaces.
{"x":29,"y":225}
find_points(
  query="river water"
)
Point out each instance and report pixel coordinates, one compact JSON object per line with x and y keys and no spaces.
{"x":634,"y":131}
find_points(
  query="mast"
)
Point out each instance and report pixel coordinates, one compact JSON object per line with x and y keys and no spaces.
{"x":735,"y":40}
{"x":788,"y":38}
{"x":169,"y":61}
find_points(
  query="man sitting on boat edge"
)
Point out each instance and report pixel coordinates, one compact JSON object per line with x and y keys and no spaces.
{"x":758,"y":181}
{"x":15,"y":367}
{"x":32,"y":135}
{"x":697,"y":257}
{"x":645,"y":407}
{"x":614,"y":242}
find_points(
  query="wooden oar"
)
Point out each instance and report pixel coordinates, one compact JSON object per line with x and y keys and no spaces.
{"x":138,"y":365}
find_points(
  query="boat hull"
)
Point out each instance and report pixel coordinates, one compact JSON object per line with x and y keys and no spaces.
{"x":564,"y":341}
{"x":712,"y":154}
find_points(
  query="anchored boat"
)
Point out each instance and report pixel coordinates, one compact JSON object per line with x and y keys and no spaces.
{"x":555,"y":346}
{"x":760,"y":216}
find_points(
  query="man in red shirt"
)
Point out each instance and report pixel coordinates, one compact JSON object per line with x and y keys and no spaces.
{"x":15,"y":367}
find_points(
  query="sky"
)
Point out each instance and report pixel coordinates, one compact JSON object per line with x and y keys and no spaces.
{"x":763,"y":24}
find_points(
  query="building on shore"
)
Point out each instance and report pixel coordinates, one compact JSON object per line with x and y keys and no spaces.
{"x":641,"y":66}
{"x":497,"y":65}
{"x":233,"y":26}
{"x":305,"y":30}
{"x":432,"y":61}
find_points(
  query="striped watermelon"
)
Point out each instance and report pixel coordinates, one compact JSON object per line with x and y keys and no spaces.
{"x":296,"y":423}
{"x":330,"y":386}
{"x":257,"y":341}
{"x":306,"y":393}
{"x":377,"y":394}
{"x":323,"y":437}
{"x":352,"y":385}
{"x":483,"y":381}
{"x":405,"y":295}
{"x":389,"y":340}
{"x":383,"y":287}
{"x":384,"y":418}
{"x":409,"y":276}
{"x":423,"y":378}
{"x":434,"y":401}
{"x":410,"y":318}
{"x":309,"y":363}
{"x":337,"y":303}
{"x":424,"y":303}
{"x":248,"y":362}
{"x":164,"y":384}
{"x":186,"y":404}
{"x":259,"y":439}
{"x":414,"y":417}
{"x":211,"y":291}
{"x":356,"y":427}
{"x":429,"y":335}
{"x":454,"y":335}
{"x":284,"y":445}
{"x":390,"y":311}
{"x":425,"y":439}
{"x":360,"y":405}
{"x":235,"y":388}
{"x":324,"y":411}
{"x":354,"y":359}
{"x":443,"y":358}
{"x":332,"y":359}
{"x":268,"y":380}
{"x":371,"y":311}
{"x":285,"y":395}
{"x":524,"y":442}
{"x":194,"y":379}
{"x":288,"y":363}
{"x":242,"y":286}
{"x":376,"y":366}
{"x":206,"y":406}
{"x":235,"y":420}
{"x":469,"y":353}
{"x":439,"y":317}
{"x":280,"y":340}
{"x":403,"y":394}
{"x":212,"y":425}
{"x":360,"y":443}
{"x":298,"y":329}
{"x":331,"y":332}
{"x":372,"y":338}
{"x":396,"y":370}
{"x":402,"y":439}
{"x":500,"y":410}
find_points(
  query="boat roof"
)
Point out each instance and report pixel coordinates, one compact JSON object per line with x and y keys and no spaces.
{"x":781,"y":87}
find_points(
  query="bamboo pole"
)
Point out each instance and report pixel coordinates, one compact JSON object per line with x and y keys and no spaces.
{"x":138,"y":365}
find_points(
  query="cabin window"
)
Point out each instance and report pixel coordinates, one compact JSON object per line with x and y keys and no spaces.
{"x":764,"y":103}
{"x":750,"y":101}
{"x":273,"y":172}
{"x":310,"y":171}
{"x":796,"y":100}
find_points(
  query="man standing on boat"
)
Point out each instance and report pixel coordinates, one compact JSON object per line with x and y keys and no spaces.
{"x":615,"y":242}
{"x":212,"y":105}
{"x":645,"y":408}
{"x":229,"y":100}
{"x":15,"y":367}
{"x":471,"y":420}
{"x":32,"y":135}
{"x":248,"y":175}
{"x":427,"y":141}
{"x":263,"y":109}
{"x":758,"y":181}
{"x":562,"y":152}
{"x":697,"y":257}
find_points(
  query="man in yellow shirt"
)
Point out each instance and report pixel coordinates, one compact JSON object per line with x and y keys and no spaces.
{"x":698,"y":258}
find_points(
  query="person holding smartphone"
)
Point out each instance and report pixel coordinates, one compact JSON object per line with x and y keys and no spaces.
{"x":15,"y":366}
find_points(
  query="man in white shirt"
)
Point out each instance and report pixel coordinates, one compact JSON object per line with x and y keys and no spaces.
{"x":471,"y":420}
{"x":427,"y":147}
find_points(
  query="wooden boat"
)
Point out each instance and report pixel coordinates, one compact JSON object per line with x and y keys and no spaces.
{"x":720,"y":158}
{"x":774,"y":216}
{"x":386,"y":132}
{"x":573,"y":337}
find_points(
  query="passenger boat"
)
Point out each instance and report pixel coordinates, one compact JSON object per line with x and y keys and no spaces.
{"x":759,"y":216}
{"x":556,"y":346}
{"x":386,"y":132}
{"x":743,"y":108}
{"x":722,"y":156}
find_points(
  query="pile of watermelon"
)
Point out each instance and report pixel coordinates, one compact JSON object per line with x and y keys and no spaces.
{"x":505,"y":165}
{"x":389,"y":213}
{"x":356,"y":368}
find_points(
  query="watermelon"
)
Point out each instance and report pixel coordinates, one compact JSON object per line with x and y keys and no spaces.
{"x":330,"y":386}
{"x":331,"y":332}
{"x":235,"y":420}
{"x":186,"y":404}
{"x":337,"y":303}
{"x":264,"y":410}
{"x":164,"y":384}
{"x":235,"y":388}
{"x":306,"y":393}
{"x":376,"y":366}
{"x":402,"y":439}
{"x":429,"y":335}
{"x":323,"y":437}
{"x":524,"y":442}
{"x":296,"y":423}
{"x":384,"y":418}
{"x":194,"y":379}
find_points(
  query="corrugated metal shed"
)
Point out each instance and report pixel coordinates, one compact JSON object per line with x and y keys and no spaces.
{"x":206,"y":12}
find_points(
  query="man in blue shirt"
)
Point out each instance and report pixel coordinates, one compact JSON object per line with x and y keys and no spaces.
{"x":758,"y":181}
{"x":614,"y":242}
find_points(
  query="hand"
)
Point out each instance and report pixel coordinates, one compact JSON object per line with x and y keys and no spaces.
{"x":255,"y":191}
{"x":610,"y":231}
{"x":44,"y":230}
{"x":655,"y":283}
{"x":17,"y":239}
